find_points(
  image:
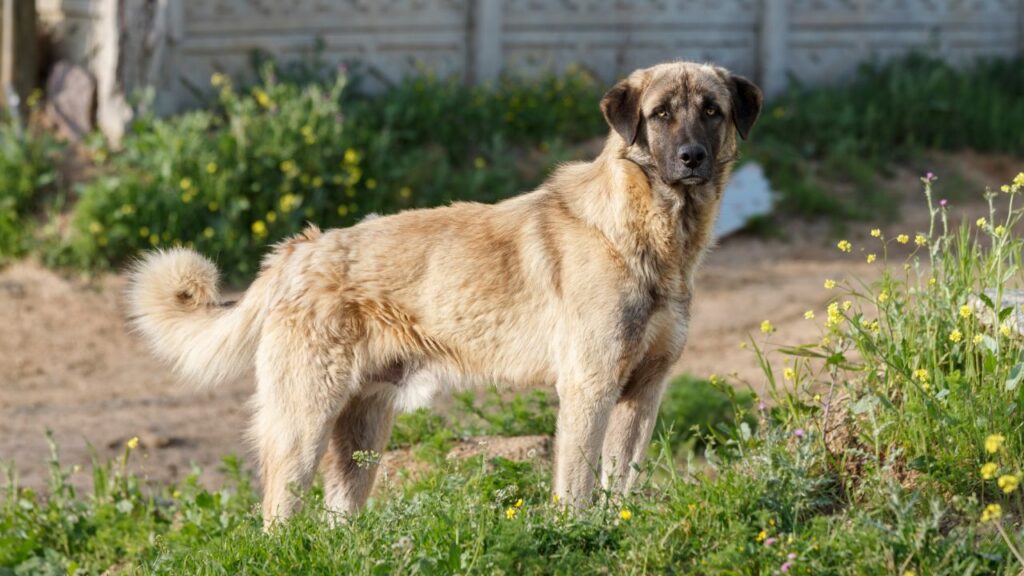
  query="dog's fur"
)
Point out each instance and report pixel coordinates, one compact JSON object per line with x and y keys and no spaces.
{"x":585,"y":283}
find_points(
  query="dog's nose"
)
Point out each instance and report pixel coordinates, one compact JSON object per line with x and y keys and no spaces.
{"x":692,"y":155}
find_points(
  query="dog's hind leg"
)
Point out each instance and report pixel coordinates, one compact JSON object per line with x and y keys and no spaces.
{"x":297,"y":399}
{"x":363,"y":425}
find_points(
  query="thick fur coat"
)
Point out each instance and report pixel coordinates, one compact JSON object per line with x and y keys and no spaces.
{"x":585,"y":283}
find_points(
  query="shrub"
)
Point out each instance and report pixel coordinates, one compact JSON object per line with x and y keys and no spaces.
{"x":275,"y":155}
{"x":930,"y":358}
{"x":27,"y":174}
{"x":225,"y":183}
{"x":811,"y":137}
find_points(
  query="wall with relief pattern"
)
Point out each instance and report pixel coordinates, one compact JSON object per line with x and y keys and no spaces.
{"x":772,"y":41}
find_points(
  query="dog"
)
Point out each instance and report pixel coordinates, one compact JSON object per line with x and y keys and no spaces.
{"x":586,"y":283}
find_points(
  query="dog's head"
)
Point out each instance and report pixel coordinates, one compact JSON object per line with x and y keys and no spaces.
{"x":679,"y":120}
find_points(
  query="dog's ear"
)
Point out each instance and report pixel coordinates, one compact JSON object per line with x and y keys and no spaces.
{"x":747,"y":100}
{"x":621,"y":108}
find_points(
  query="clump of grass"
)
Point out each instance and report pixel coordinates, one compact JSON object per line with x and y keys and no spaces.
{"x":919,"y":373}
{"x":813,"y":137}
{"x":28,"y":175}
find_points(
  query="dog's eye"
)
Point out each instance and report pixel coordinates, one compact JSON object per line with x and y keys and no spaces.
{"x":661,"y":113}
{"x":711,"y":111}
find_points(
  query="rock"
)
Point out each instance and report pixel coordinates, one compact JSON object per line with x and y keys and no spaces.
{"x":1012,"y":298}
{"x":748,"y":194}
{"x":71,"y":99}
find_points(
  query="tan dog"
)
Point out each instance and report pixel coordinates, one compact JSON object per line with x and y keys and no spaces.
{"x":585,"y":283}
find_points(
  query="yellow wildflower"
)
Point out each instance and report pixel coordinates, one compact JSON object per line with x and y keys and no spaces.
{"x":871,"y":258}
{"x":1005,"y":330}
{"x":133,"y":443}
{"x":883,"y":296}
{"x":271,"y":216}
{"x":625,"y":514}
{"x":761,"y":536}
{"x":405,"y":192}
{"x":921,"y":375}
{"x":809,"y":315}
{"x":931,"y":281}
{"x":920,"y":240}
{"x":288,"y":166}
{"x":259,"y":228}
{"x":262,"y":98}
{"x":185,"y":183}
{"x":988,"y":470}
{"x":844,"y":246}
{"x":766,"y":327}
{"x":834,"y":317}
{"x":876,"y":233}
{"x":965,"y":311}
{"x":519,"y":503}
{"x":144,"y":231}
{"x":342,"y":210}
{"x":211,"y":168}
{"x":991,"y":513}
{"x":208,"y":232}
{"x":829,"y":284}
{"x":218,"y":79}
{"x":351,"y":156}
{"x":955,"y":336}
{"x":999,"y":230}
{"x":978,"y":339}
{"x":903,"y":238}
{"x":510,"y":513}
{"x":994,"y":442}
{"x":847,"y":305}
{"x":981,"y":222}
{"x":371,"y":184}
{"x":289,"y":202}
{"x":317,"y":182}
{"x":1008,"y":483}
{"x":213,"y":206}
{"x":789,"y":374}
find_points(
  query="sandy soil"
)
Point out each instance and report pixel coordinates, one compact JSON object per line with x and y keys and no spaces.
{"x":67,"y":363}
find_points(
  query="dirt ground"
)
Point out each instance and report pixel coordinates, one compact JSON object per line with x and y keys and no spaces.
{"x":67,"y":363}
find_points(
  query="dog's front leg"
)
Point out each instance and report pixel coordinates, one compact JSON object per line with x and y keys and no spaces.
{"x":631,"y":424}
{"x":584,"y":407}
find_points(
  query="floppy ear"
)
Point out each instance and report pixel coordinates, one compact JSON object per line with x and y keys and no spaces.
{"x":621,"y":109}
{"x":746,"y":103}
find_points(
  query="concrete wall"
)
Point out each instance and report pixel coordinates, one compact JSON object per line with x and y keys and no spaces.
{"x":769,"y":40}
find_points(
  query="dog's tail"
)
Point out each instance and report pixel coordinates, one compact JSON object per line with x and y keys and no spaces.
{"x":174,"y":302}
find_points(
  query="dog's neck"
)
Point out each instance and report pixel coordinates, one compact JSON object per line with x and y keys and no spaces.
{"x":675,"y":221}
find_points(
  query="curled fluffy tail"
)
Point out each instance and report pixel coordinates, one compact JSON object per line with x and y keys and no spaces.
{"x":174,"y":302}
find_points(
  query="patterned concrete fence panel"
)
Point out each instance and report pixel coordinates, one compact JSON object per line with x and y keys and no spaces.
{"x":813,"y":41}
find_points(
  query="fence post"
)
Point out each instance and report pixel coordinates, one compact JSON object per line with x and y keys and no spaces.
{"x":774,"y":32}
{"x":485,"y":30}
{"x":1020,"y":28}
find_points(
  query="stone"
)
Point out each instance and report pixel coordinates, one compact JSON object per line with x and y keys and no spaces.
{"x":71,"y":100}
{"x":747,"y":195}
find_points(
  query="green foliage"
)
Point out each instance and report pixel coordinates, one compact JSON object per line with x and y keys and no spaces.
{"x":695,"y":409}
{"x":27,"y":175}
{"x":777,"y":504}
{"x":276,"y":155}
{"x":812,"y":137}
{"x":225,"y":183}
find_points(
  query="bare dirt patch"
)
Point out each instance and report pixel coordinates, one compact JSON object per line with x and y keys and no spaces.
{"x":68,"y":364}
